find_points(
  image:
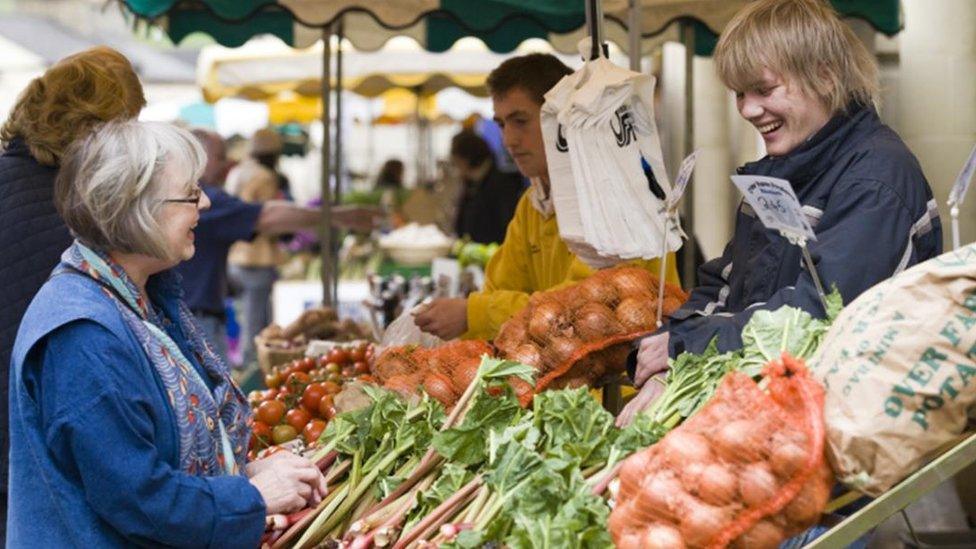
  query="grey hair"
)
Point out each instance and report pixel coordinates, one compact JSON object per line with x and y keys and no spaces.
{"x":108,"y":187}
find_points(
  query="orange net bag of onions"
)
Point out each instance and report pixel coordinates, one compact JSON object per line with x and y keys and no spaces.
{"x":444,"y":372}
{"x":747,"y":471}
{"x":575,"y":335}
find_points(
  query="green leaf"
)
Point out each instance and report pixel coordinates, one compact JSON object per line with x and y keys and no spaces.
{"x":468,"y":539}
{"x":467,"y":444}
{"x":835,"y":303}
{"x":452,"y":478}
{"x":513,"y":464}
{"x":499,"y":369}
{"x":574,"y":426}
{"x":640,"y":434}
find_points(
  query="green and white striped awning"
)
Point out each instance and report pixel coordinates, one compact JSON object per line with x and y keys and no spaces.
{"x":437,"y":24}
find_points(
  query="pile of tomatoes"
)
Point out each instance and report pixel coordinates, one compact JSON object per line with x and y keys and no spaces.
{"x":300,"y":395}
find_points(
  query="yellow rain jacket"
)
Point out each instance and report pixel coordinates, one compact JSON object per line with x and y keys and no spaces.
{"x":532,"y":258}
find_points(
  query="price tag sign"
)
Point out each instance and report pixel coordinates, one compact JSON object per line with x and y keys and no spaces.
{"x":776,"y":205}
{"x":958,"y":193}
{"x":681,"y":183}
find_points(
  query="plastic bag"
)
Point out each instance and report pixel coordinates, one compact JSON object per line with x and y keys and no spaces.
{"x":598,"y":125}
{"x":404,"y":331}
{"x":748,"y":470}
{"x":578,"y":334}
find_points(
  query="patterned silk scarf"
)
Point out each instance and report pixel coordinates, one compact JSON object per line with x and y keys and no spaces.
{"x":213,"y":426}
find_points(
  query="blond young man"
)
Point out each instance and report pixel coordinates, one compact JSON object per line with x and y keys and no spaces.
{"x":810,"y":87}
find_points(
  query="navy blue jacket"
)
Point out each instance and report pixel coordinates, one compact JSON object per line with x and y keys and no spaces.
{"x":94,"y":458}
{"x":871,"y":209}
{"x":32,"y":238}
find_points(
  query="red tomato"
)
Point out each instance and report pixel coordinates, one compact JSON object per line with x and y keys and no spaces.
{"x":272,"y":380}
{"x":270,"y":412}
{"x":325,"y":403}
{"x":357,"y":353}
{"x":338,"y":355}
{"x":329,"y":413}
{"x":367,"y":378}
{"x":313,"y":429}
{"x":261,"y":430}
{"x":297,"y":418}
{"x":331,"y":387}
{"x":297,"y":381}
{"x":347,"y":371}
{"x":360,"y":368}
{"x":313,"y":393}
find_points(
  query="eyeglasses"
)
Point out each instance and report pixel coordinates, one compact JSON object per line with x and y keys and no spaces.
{"x":194,"y":197}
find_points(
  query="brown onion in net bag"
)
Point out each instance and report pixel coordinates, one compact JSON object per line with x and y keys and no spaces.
{"x":748,"y":470}
{"x":565,"y":332}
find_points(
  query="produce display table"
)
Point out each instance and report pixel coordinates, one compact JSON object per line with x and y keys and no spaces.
{"x":904,"y":494}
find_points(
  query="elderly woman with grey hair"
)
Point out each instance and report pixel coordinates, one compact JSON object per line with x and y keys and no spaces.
{"x":126,"y":428}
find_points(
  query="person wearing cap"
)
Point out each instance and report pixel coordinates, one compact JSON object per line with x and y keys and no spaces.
{"x":805,"y":81}
{"x":253,"y":264}
{"x":532,"y":257}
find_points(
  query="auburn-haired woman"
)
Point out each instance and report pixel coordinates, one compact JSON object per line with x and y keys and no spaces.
{"x":64,"y":103}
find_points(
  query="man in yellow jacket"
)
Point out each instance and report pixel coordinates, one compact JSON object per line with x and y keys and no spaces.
{"x":533,"y":257}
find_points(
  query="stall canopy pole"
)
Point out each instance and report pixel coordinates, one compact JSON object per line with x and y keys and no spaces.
{"x":325,"y":224}
{"x":634,"y":34}
{"x":688,"y":260}
{"x":594,"y":20}
{"x":334,"y":243}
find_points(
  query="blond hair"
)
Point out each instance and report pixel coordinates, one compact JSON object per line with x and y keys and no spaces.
{"x":108,"y":189}
{"x":803,"y":41}
{"x":71,"y":97}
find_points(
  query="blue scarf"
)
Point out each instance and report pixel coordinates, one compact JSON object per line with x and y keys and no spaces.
{"x":213,"y":426}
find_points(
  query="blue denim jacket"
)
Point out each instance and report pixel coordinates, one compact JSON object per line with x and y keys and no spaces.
{"x":94,"y":446}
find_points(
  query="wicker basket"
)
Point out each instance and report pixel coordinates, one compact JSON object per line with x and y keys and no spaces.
{"x":269,"y":357}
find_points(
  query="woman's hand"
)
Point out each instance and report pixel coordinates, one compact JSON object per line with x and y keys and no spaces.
{"x":287,"y":482}
{"x":652,"y":358}
{"x":651,"y":391}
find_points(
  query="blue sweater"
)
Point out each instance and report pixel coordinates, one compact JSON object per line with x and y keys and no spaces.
{"x":94,"y":445}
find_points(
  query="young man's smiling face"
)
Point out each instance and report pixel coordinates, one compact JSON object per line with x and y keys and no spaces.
{"x":783,"y":113}
{"x":518,"y":116}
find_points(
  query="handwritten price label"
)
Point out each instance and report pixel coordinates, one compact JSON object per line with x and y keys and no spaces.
{"x":776,"y":204}
{"x":681,"y":183}
{"x":958,"y":193}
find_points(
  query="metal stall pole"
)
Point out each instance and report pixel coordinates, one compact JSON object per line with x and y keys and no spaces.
{"x":612,"y":400}
{"x":594,"y":20}
{"x":325,"y":224}
{"x":634,"y":34}
{"x":338,"y":161}
{"x":688,"y":211}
